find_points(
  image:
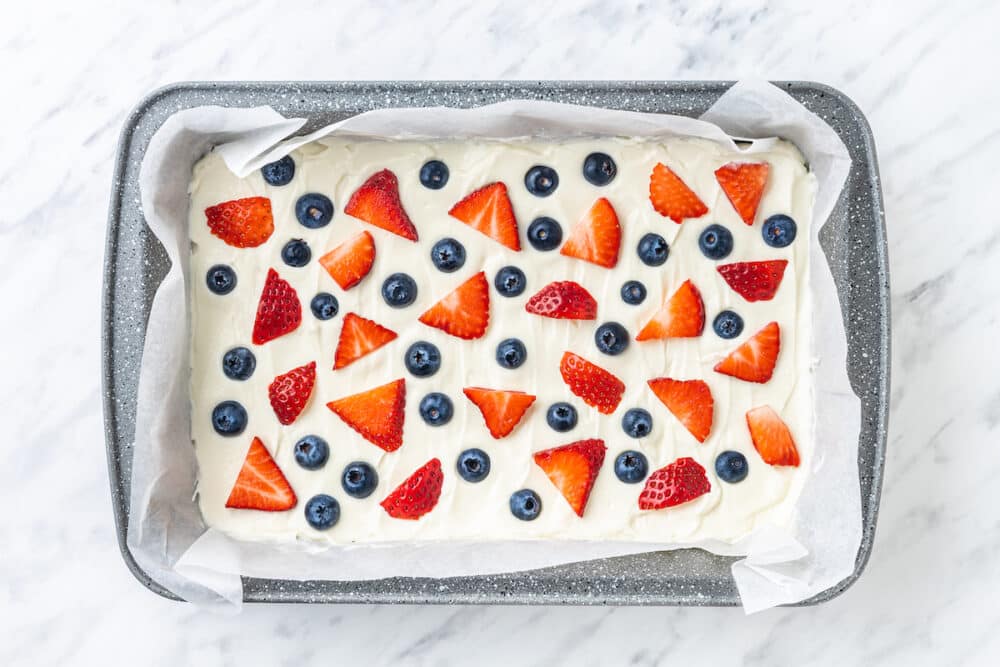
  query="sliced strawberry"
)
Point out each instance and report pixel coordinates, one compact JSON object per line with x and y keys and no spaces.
{"x":377,"y":414}
{"x":565,"y":300}
{"x":671,"y":197}
{"x":597,"y":387}
{"x":771,"y":437}
{"x":260,"y":484}
{"x":417,"y":495}
{"x":377,"y":202}
{"x":755,"y":359}
{"x":674,"y":484}
{"x":690,"y":401}
{"x":465,"y":313}
{"x":597,"y":237}
{"x":502,"y":410}
{"x":755,"y":281}
{"x":351,"y":261}
{"x":572,"y":469}
{"x":358,"y":337}
{"x":289,"y":392}
{"x":682,"y":316}
{"x":743,"y":183}
{"x":242,"y":223}
{"x":488,"y":210}
{"x":278,"y":312}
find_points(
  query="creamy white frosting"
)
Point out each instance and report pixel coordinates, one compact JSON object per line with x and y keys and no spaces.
{"x":336,"y":167}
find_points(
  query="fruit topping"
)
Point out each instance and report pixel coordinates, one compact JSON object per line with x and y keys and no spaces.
{"x":681,"y":316}
{"x":488,"y":210}
{"x":510,"y":281}
{"x":260,"y":484}
{"x":350,"y":261}
{"x":280,"y":172}
{"x":322,"y":511}
{"x":434,"y":174}
{"x":690,"y":401}
{"x":611,"y":338}
{"x":399,"y":290}
{"x":324,"y":306}
{"x":417,"y":495}
{"x":728,"y":324}
{"x":679,"y":482}
{"x":771,"y":437}
{"x":377,"y":202}
{"x":743,"y":183}
{"x":671,"y":198}
{"x":754,"y":281}
{"x":229,"y":418}
{"x":597,"y":237}
{"x":359,"y":337}
{"x":242,"y":223}
{"x":541,"y":181}
{"x":376,"y":414}
{"x":511,"y":353}
{"x":597,"y":387}
{"x":599,"y":169}
{"x":716,"y":242}
{"x":465,"y":312}
{"x":755,"y":359}
{"x":637,"y":423}
{"x":564,"y":300}
{"x":359,"y":479}
{"x":312,"y":452}
{"x":572,"y":469}
{"x":502,"y":410}
{"x":221,"y":279}
{"x":731,"y":467}
{"x":239,"y":363}
{"x":561,"y":417}
{"x":422,"y":359}
{"x":436,"y":409}
{"x":448,"y":255}
{"x":289,"y":392}
{"x":525,"y":505}
{"x":314,"y":210}
{"x":278,"y":312}
{"x":778,"y":231}
{"x":653,"y":249}
{"x":544,"y":233}
{"x":631,"y":467}
{"x":473,"y":465}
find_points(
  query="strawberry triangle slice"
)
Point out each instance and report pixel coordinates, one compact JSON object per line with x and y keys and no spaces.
{"x":671,"y":197}
{"x":465,"y":312}
{"x":743,"y":183}
{"x":502,"y":410}
{"x":488,"y":210}
{"x":377,"y":414}
{"x":261,"y":484}
{"x":289,"y":392}
{"x":682,"y":316}
{"x":597,"y":237}
{"x":755,"y":359}
{"x":278,"y":312}
{"x":377,"y":202}
{"x":572,"y":469}
{"x":688,"y":400}
{"x":350,"y":261}
{"x":359,"y":337}
{"x":754,"y":281}
{"x":771,"y":437}
{"x":418,"y":494}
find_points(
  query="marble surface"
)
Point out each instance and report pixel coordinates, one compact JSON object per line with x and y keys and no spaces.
{"x":73,"y":70}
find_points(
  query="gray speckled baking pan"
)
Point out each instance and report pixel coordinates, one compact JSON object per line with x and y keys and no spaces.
{"x":854,"y":241}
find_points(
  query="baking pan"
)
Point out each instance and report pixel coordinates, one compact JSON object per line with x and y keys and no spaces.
{"x":854,"y":241}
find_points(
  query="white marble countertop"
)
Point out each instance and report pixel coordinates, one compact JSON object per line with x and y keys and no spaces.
{"x":73,"y":70}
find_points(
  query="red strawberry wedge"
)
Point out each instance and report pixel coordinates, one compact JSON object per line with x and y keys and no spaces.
{"x":597,"y":387}
{"x":771,"y":437}
{"x":754,"y":281}
{"x":377,"y":202}
{"x":351,"y":261}
{"x":690,"y":401}
{"x":417,"y":495}
{"x":377,"y":414}
{"x":597,"y":237}
{"x":564,"y":300}
{"x":502,"y":410}
{"x":242,"y":223}
{"x":671,"y":197}
{"x":488,"y":210}
{"x":572,"y":469}
{"x":743,"y":183}
{"x":465,"y":313}
{"x":289,"y":392}
{"x":358,"y":337}
{"x":677,"y":483}
{"x":755,"y":359}
{"x":682,"y":316}
{"x":260,"y":484}
{"x":278,"y":312}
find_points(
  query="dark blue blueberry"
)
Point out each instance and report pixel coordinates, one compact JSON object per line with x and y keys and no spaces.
{"x":221,"y":279}
{"x":296,"y":253}
{"x":653,"y":249}
{"x":422,"y":359}
{"x":731,"y":467}
{"x":314,"y":210}
{"x":448,"y":255}
{"x":728,"y":324}
{"x":599,"y":169}
{"x":778,"y":231}
{"x":561,"y":417}
{"x":434,"y":174}
{"x":322,"y":511}
{"x":511,"y":353}
{"x":611,"y":338}
{"x":525,"y":504}
{"x":359,"y":479}
{"x":436,"y":409}
{"x":544,"y":233}
{"x":631,"y":467}
{"x":637,"y":423}
{"x":473,"y":465}
{"x":633,"y":292}
{"x":541,"y":181}
{"x":324,"y":306}
{"x":239,"y":363}
{"x":312,"y":452}
{"x":399,"y":290}
{"x":716,"y":242}
{"x":510,"y":281}
{"x":279,"y":172}
{"x":229,"y":418}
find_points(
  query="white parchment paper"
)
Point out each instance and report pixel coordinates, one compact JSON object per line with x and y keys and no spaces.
{"x":166,"y":534}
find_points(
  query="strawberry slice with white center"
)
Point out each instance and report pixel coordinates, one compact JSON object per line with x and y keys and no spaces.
{"x":465,"y":312}
{"x":675,"y":484}
{"x":597,"y":237}
{"x":682,"y":316}
{"x":671,"y":197}
{"x":755,"y":359}
{"x":488,"y":210}
{"x":278,"y":312}
{"x":573,"y":469}
{"x":242,"y":223}
{"x":377,"y":414}
{"x":377,"y":202}
{"x":771,"y":437}
{"x":260,"y":484}
{"x":359,"y":337}
{"x":744,"y":183}
{"x":351,"y":261}
{"x":690,"y":401}
{"x":502,"y":410}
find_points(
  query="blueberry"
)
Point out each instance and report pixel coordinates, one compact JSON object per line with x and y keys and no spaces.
{"x":322,"y":511}
{"x":434,"y":174}
{"x":296,"y":253}
{"x":541,"y":181}
{"x":599,"y":169}
{"x":324,"y":306}
{"x":239,"y":363}
{"x":312,"y":452}
{"x":229,"y":418}
{"x":716,"y":242}
{"x":221,"y":279}
{"x":653,"y":249}
{"x":637,"y":423}
{"x":631,"y":467}
{"x":279,"y":172}
{"x":473,"y":465}
{"x":448,"y":255}
{"x":728,"y":324}
{"x":525,"y":504}
{"x":633,"y":292}
{"x":359,"y":479}
{"x":314,"y":210}
{"x":510,"y":281}
{"x":399,"y":290}
{"x":436,"y":409}
{"x":544,"y":233}
{"x":731,"y":467}
{"x":561,"y":417}
{"x":422,"y":359}
{"x":778,"y":231}
{"x":511,"y":353}
{"x":611,"y":338}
